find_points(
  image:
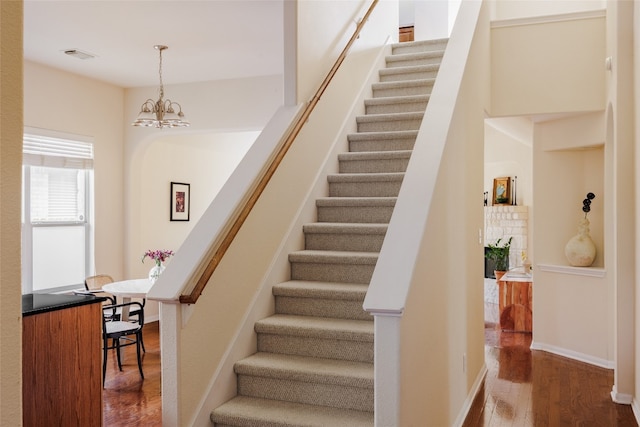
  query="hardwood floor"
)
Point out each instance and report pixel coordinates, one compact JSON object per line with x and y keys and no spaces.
{"x":127,"y":399}
{"x":527,"y":387}
{"x":522,"y":388}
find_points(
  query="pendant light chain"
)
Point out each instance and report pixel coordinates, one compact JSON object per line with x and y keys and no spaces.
{"x":160,"y":49}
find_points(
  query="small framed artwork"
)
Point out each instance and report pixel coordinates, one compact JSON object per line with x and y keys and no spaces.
{"x":180,"y":201}
{"x":502,"y":191}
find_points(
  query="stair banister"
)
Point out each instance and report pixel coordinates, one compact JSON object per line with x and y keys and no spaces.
{"x":235,"y":223}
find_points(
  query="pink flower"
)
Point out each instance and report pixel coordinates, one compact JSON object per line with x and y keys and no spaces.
{"x":159,"y":255}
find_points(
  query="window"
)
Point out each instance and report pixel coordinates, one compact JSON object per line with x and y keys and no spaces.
{"x":57,"y":231}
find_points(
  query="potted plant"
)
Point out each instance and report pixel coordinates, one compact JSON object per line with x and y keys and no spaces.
{"x":499,"y":254}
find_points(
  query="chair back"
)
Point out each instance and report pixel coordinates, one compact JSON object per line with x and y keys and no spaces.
{"x":95,"y":283}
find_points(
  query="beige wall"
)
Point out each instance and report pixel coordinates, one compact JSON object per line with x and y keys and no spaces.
{"x":323,"y":32}
{"x":514,"y":9}
{"x":225,"y":117}
{"x":534,"y":67}
{"x":508,"y":152}
{"x":636,"y":311}
{"x":10,"y":188}
{"x":621,"y":142}
{"x":91,"y":108}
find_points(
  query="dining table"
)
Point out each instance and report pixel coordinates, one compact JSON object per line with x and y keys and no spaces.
{"x":128,"y":289}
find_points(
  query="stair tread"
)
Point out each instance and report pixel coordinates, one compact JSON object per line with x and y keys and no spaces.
{"x":427,"y":42}
{"x":256,"y":412}
{"x":316,"y":327}
{"x":356,"y":201}
{"x":307,"y":369}
{"x":376,"y":155}
{"x":325,"y":290}
{"x":344,"y":227}
{"x":389,"y":117}
{"x":396,"y":99}
{"x":331,"y":257}
{"x":403,"y":84}
{"x":401,"y":57}
{"x":366,"y":177}
{"x":410,"y":69}
{"x":366,"y":136}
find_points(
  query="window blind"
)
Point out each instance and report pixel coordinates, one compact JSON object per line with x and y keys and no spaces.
{"x":56,"y":152}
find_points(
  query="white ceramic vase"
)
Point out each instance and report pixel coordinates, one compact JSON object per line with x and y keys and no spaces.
{"x":580,"y":250}
{"x":155,"y":272}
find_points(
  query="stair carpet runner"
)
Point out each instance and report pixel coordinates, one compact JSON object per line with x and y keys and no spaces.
{"x":314,"y":365}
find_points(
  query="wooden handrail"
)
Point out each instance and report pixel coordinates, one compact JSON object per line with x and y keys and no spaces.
{"x":193,"y":296}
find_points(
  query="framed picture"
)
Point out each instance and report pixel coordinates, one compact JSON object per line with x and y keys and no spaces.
{"x":502,"y":191}
{"x":180,"y":201}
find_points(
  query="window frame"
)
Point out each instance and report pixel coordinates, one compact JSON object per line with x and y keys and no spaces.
{"x":63,"y":160}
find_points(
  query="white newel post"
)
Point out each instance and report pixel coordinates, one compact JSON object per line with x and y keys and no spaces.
{"x":387,"y":369}
{"x":171,"y":323}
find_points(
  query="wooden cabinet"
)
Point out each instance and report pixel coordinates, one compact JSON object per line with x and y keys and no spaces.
{"x":61,"y":360}
{"x":405,"y":34}
{"x":516,"y":305}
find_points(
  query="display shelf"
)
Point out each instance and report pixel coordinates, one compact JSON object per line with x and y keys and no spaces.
{"x":577,"y":271}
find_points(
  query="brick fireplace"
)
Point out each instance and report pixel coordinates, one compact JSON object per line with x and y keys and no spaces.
{"x":504,"y":222}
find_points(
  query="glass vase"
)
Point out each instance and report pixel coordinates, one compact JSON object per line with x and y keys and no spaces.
{"x":155,"y":272}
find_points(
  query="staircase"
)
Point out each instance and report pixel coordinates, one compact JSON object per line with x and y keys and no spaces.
{"x":314,"y":365}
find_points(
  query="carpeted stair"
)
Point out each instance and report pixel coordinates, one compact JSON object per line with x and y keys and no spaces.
{"x":314,"y":365}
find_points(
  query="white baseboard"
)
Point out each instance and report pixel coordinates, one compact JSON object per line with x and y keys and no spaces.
{"x":586,"y":358}
{"x":475,"y":388}
{"x":635,"y":406}
{"x":621,"y":398}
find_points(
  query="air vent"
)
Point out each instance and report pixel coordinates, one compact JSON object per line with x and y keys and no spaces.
{"x":79,"y":54}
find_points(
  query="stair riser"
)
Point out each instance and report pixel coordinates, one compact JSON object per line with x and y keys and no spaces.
{"x":383,"y":92}
{"x":346,"y":273}
{"x":344,"y":242}
{"x":354,"y":351}
{"x":374,"y":166}
{"x":360,"y":399}
{"x":365,"y":189}
{"x":391,"y":108}
{"x":426,"y":46}
{"x":382,"y":145}
{"x":340,"y":309}
{"x":414,"y":62}
{"x":365,"y":214}
{"x":386,"y":125}
{"x":414,"y":75}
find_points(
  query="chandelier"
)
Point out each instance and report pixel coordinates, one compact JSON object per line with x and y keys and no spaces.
{"x":160,"y":113}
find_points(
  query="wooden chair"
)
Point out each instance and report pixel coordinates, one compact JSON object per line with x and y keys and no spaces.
{"x":94,"y":284}
{"x":121,"y":333}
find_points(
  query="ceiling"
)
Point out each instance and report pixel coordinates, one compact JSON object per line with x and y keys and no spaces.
{"x":207,"y":39}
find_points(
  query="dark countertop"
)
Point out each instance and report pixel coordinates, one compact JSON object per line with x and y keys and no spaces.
{"x":43,"y":303}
